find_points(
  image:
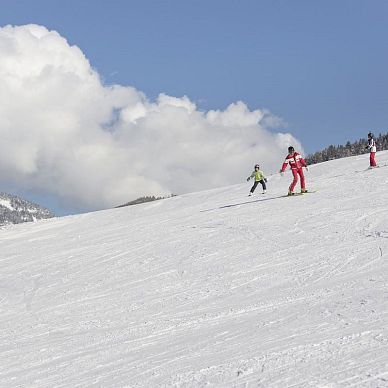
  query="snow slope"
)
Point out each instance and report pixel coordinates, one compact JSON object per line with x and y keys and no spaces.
{"x":206,"y":289}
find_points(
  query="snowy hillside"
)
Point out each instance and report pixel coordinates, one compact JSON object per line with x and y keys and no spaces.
{"x":15,"y":210}
{"x":207,"y":289}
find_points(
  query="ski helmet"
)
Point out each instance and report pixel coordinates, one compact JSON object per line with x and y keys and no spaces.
{"x":257,"y":166}
{"x":370,"y":134}
{"x":291,"y":149}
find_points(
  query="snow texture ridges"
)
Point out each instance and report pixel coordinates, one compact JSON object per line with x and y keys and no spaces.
{"x":208,"y":289}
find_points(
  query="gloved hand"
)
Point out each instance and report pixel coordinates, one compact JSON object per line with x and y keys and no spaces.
{"x":248,"y":179}
{"x":265,"y":180}
{"x":307,"y":168}
{"x":281,"y":172}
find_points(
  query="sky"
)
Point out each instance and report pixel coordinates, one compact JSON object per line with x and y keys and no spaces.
{"x":244,"y":78}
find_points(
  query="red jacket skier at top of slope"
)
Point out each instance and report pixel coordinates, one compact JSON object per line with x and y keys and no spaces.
{"x":296,"y":163}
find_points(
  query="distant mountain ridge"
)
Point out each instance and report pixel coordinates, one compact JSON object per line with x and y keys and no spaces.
{"x":15,"y":210}
{"x":144,"y":200}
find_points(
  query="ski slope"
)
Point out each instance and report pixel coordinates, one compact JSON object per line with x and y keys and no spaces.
{"x":212,"y":289}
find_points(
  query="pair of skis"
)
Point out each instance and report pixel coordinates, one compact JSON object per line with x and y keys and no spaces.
{"x":298,"y":194}
{"x":373,"y":168}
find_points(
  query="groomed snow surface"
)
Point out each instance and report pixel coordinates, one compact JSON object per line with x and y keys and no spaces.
{"x":207,"y":289}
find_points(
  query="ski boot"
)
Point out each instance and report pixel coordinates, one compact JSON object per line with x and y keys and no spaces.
{"x":304,"y":191}
{"x":290,"y":193}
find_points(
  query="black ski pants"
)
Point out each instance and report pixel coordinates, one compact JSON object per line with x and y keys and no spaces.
{"x":256,"y":183}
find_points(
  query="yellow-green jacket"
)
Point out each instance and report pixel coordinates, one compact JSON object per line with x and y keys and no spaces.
{"x":258,"y":175}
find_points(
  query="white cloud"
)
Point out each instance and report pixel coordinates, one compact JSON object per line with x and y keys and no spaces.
{"x":64,"y":133}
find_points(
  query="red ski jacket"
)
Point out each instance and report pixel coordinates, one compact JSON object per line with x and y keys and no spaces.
{"x":295,"y":161}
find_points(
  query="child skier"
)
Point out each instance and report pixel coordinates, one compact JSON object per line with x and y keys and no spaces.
{"x":259,"y":178}
{"x":296,"y":163}
{"x":372,"y":150}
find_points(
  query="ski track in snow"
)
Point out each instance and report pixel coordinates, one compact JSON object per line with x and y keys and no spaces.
{"x":206,"y":289}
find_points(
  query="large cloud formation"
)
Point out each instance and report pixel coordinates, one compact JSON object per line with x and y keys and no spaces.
{"x":63,"y":132}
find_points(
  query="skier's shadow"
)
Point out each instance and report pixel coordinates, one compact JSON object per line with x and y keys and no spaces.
{"x":243,"y":203}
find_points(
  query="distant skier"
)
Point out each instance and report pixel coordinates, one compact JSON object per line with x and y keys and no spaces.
{"x":296,"y":163}
{"x":372,"y":150}
{"x":259,"y":178}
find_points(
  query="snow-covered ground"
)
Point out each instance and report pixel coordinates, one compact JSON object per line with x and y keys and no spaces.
{"x":206,"y":289}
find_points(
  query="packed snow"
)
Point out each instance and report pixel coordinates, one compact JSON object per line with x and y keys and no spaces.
{"x":213,"y":288}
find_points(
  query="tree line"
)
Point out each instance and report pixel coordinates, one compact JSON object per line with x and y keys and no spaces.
{"x":144,"y":200}
{"x":349,"y":149}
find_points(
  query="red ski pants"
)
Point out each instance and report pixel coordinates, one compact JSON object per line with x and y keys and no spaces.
{"x":295,"y":173}
{"x":372,"y":161}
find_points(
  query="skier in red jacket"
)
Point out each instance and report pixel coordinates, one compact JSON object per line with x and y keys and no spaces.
{"x":296,"y":163}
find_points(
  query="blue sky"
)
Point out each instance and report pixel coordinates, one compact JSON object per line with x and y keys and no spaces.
{"x":319,"y":65}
